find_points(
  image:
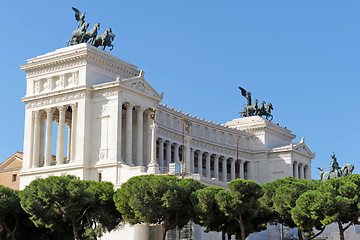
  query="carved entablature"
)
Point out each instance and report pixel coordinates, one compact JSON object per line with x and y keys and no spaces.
{"x":33,"y":103}
{"x":56,"y":82}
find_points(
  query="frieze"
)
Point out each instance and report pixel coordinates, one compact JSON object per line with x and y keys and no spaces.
{"x":105,"y":93}
{"x":55,"y":99}
{"x":59,"y":67}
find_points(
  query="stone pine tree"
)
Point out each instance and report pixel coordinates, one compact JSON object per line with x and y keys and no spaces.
{"x":209,"y":214}
{"x":154,"y":199}
{"x":281,"y":195}
{"x":67,"y":204}
{"x":241,"y":204}
{"x":15,"y":222}
{"x":335,"y":201}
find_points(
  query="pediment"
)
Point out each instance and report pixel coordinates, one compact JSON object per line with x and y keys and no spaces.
{"x":140,"y":85}
{"x":302,"y":148}
{"x":13,"y":162}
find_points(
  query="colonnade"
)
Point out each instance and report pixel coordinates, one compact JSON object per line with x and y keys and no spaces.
{"x":300,"y":170}
{"x":42,"y":135}
{"x":137,"y":134}
{"x":206,"y":163}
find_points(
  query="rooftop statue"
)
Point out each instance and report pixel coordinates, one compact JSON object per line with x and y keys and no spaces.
{"x":81,"y":35}
{"x":335,"y":170}
{"x":253,"y":109}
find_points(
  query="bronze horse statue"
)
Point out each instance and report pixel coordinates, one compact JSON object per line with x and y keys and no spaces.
{"x":104,"y":39}
{"x":78,"y":34}
{"x":250,"y":110}
{"x":91,"y":34}
{"x":344,"y":171}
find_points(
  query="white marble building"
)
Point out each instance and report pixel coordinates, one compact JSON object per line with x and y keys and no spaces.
{"x":102,"y":105}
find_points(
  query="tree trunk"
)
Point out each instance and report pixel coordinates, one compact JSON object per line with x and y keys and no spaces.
{"x":300,"y":234}
{"x":166,"y":225}
{"x":75,"y":230}
{"x":242,"y":227}
{"x":341,"y":230}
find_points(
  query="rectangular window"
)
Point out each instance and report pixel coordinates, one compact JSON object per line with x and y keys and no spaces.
{"x":100,"y":177}
{"x":14,"y":177}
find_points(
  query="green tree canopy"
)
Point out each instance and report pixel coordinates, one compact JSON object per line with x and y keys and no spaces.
{"x":155,"y":199}
{"x":281,"y":195}
{"x":242,"y":204}
{"x":208,"y":213}
{"x":66,"y":204}
{"x":335,"y":201}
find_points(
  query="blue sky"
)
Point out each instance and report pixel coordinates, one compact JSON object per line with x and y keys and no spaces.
{"x":302,"y":56}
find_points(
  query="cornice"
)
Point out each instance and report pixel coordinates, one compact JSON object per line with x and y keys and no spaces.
{"x":75,"y":56}
{"x":55,"y":97}
{"x":202,"y":121}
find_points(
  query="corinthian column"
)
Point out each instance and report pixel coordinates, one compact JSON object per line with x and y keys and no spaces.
{"x":216,"y":167}
{"x":36,"y":145}
{"x":168,"y":152}
{"x":73,"y":132}
{"x":48,"y":138}
{"x":60,"y":136}
{"x":233,"y":169}
{"x":161,"y":153}
{"x":208,"y":165}
{"x":128,"y":152}
{"x":153,"y":166}
{"x":242,"y":169}
{"x":224,"y":169}
{"x":200,"y":153}
{"x":188,"y":162}
{"x":176,"y":153}
{"x":140,"y":140}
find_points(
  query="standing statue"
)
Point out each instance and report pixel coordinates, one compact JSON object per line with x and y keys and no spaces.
{"x":335,"y":170}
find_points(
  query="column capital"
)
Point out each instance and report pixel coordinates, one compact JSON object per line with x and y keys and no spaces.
{"x":49,"y":110}
{"x":128,"y":104}
{"x":61,"y":108}
{"x":161,"y":140}
{"x":200,"y":151}
{"x":153,"y":126}
{"x":139,"y":108}
{"x":207,"y":154}
{"x":188,"y":138}
{"x":216,"y":156}
{"x":73,"y":106}
{"x":37,"y":113}
{"x":168,"y":142}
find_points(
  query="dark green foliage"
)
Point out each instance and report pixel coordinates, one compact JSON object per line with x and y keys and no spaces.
{"x":242,"y":205}
{"x":208,"y":213}
{"x":281,"y":195}
{"x":155,"y":199}
{"x":67,"y":204}
{"x":334,"y":201}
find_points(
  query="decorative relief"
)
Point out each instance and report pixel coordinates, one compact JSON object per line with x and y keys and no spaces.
{"x":303,"y":149}
{"x":59,"y":67}
{"x":56,"y":99}
{"x":105,"y":93}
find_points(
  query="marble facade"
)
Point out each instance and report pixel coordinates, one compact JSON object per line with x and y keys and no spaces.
{"x":95,"y":108}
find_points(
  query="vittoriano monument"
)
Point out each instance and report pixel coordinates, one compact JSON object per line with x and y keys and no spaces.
{"x":335,"y":170}
{"x":81,"y":35}
{"x":253,"y":109}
